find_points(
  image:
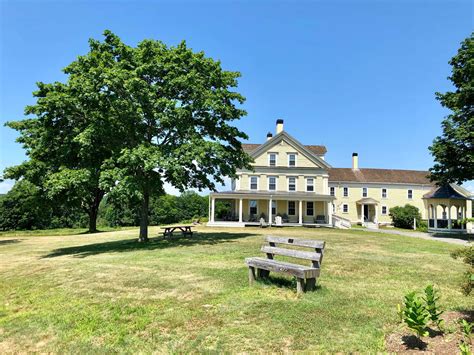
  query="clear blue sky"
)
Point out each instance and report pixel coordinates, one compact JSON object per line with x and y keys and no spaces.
{"x":356,"y":76}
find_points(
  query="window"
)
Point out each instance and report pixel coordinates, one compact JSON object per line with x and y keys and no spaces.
{"x":291,"y":208}
{"x":253,"y":183}
{"x":292,"y":159}
{"x":384,"y":209}
{"x":332,"y":191}
{"x":364,"y":192}
{"x":253,"y":207}
{"x":410,"y":194}
{"x":274,"y":208}
{"x":272,"y":158}
{"x":345,"y":191}
{"x":309,"y":184}
{"x":272,"y":183}
{"x":292,"y":183}
{"x":384,"y":193}
{"x":345,"y":208}
{"x":309,"y":208}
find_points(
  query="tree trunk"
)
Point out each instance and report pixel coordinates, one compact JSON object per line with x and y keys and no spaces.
{"x":94,"y":210}
{"x":144,"y":218}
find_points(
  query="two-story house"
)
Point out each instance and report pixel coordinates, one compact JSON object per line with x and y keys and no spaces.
{"x":294,"y":181}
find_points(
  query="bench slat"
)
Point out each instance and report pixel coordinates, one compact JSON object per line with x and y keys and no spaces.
{"x":300,"y":254}
{"x":296,"y":241}
{"x":300,"y":271}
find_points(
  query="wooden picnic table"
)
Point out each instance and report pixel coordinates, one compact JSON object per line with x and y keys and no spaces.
{"x":185,"y":230}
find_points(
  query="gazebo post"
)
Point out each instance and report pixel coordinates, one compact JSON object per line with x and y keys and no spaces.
{"x":435,"y":213}
{"x":449,"y":216}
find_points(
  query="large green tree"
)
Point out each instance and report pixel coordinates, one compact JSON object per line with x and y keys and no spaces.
{"x":453,"y":151}
{"x":73,"y":128}
{"x":180,"y":106}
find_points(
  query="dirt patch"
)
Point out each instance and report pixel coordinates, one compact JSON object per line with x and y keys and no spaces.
{"x":437,"y":342}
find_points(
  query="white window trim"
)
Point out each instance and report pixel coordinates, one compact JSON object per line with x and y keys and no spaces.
{"x":306,"y":212}
{"x":296,"y":183}
{"x":366,"y":192}
{"x":386,"y":193}
{"x":345,"y":204}
{"x":296,"y":160}
{"x":276,"y":182}
{"x":276,"y":158}
{"x":345,"y":187}
{"x":250,"y":182}
{"x":288,"y":208}
{"x":408,"y":194}
{"x":381,"y":210}
{"x":274,"y":203}
{"x":309,"y":178}
{"x":333,"y":189}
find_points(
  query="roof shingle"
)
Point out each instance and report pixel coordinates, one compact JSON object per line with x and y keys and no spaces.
{"x":380,"y":175}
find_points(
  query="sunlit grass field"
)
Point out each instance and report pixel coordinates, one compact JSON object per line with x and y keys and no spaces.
{"x":107,"y":293}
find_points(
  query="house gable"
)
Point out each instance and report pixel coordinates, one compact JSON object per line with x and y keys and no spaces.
{"x":283,"y":144}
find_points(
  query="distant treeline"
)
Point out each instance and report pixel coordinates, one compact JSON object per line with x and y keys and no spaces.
{"x":26,"y":207}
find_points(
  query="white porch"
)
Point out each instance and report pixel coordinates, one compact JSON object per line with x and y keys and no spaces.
{"x":239,"y":209}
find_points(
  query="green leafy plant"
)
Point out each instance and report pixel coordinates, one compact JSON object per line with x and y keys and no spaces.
{"x":414,"y":314}
{"x":431,"y":298}
{"x":402,"y":217}
{"x":465,"y":344}
{"x":467,"y":256}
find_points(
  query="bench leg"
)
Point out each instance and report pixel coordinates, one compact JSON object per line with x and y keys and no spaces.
{"x":262,"y":273}
{"x":299,"y":285}
{"x":310,"y":284}
{"x":251,"y":275}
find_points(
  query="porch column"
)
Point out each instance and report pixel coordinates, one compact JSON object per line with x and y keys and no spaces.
{"x":362,"y":213}
{"x":270,"y":211}
{"x":300,"y":212}
{"x":240,"y":210}
{"x":329,"y":207}
{"x":376,"y":219}
{"x":450,"y":224}
{"x":213,"y":207}
{"x":435,"y":215}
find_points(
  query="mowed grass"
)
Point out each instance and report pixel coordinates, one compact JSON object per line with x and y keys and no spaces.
{"x":107,"y":293}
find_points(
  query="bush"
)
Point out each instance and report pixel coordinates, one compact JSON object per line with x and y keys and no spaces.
{"x":467,"y":256}
{"x":422,"y":226}
{"x":402,"y":217}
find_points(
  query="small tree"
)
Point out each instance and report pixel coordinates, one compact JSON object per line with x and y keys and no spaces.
{"x":402,"y":217}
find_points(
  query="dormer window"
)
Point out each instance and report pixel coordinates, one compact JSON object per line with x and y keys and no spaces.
{"x":253,"y":183}
{"x":292,"y":160}
{"x":272,"y":158}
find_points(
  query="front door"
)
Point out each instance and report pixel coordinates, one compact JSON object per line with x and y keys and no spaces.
{"x":366,"y":213}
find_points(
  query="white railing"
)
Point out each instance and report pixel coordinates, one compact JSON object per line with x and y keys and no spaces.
{"x":340,"y":222}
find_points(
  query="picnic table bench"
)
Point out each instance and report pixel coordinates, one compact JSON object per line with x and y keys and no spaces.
{"x":305,"y":275}
{"x":185,"y":230}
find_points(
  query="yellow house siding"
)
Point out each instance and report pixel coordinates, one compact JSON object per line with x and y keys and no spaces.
{"x":282,"y":150}
{"x":397,"y":195}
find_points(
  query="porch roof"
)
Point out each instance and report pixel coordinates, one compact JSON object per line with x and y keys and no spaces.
{"x":367,"y":201}
{"x":450,"y":191}
{"x":274,"y":195}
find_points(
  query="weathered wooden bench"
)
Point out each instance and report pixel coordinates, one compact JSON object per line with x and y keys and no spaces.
{"x":305,"y":275}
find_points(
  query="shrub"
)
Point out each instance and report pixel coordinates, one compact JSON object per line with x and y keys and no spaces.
{"x":402,"y":217}
{"x":465,"y":344}
{"x":422,"y":226}
{"x":467,"y":256}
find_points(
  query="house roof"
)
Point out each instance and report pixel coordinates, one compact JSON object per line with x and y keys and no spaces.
{"x":450,"y":191}
{"x":379,"y":175}
{"x":315,"y":149}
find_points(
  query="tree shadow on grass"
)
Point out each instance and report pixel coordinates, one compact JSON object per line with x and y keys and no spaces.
{"x":9,"y":241}
{"x":130,"y":245}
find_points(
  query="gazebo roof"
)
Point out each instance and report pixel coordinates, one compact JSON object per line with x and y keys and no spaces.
{"x":367,"y":201}
{"x":449,"y":191}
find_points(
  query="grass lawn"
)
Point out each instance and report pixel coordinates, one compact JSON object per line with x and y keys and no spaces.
{"x":106,"y":292}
